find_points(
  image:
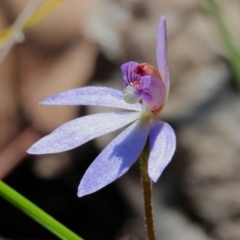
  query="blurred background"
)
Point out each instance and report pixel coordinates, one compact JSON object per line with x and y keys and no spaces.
{"x":84,"y":43}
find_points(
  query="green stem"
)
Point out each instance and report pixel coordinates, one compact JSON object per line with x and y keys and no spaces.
{"x":36,"y":213}
{"x":233,"y":53}
{"x":147,"y":193}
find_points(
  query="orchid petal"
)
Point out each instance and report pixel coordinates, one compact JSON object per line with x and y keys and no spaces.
{"x":162,"y":147}
{"x":97,"y":96}
{"x":153,"y":92}
{"x":162,"y":52}
{"x":79,"y":131}
{"x":115,"y":159}
{"x":129,"y":75}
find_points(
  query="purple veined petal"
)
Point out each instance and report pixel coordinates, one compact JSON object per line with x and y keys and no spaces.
{"x":162,"y":147}
{"x":95,"y":96}
{"x":115,"y":159}
{"x":81,"y":130}
{"x":129,"y":75}
{"x":27,"y":12}
{"x":162,"y":52}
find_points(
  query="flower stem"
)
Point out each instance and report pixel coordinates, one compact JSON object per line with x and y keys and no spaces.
{"x":147,"y":193}
{"x":36,"y":213}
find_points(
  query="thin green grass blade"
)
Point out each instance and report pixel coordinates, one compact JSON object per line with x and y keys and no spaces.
{"x":233,"y":53}
{"x":36,"y":213}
